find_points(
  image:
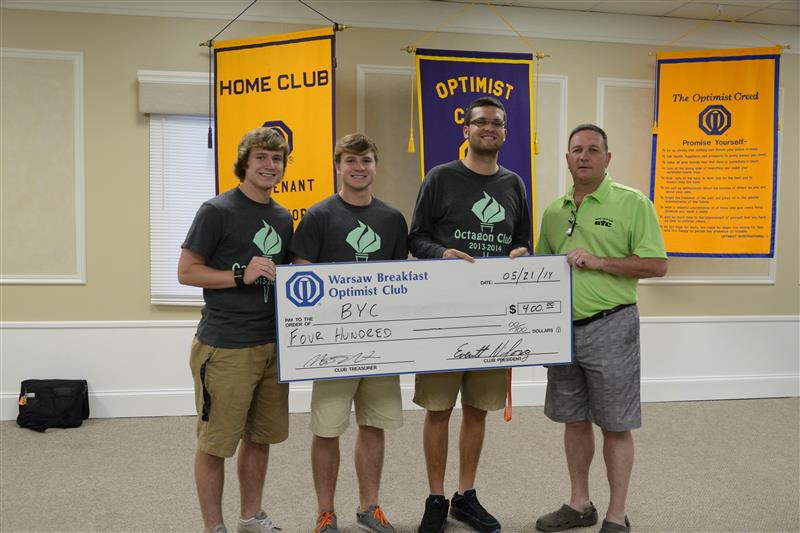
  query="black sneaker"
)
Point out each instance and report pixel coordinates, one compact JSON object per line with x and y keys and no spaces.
{"x":468,"y":509}
{"x":435,"y":518}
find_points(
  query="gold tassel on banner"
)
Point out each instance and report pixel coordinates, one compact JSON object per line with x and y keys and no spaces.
{"x":411,"y":147}
{"x":538,"y":56}
{"x":413,"y":50}
{"x":655,"y":128}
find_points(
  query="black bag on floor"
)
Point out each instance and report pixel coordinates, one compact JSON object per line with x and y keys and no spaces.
{"x":53,"y":403}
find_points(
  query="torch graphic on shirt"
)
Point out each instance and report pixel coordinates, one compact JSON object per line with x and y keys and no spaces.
{"x":364,"y":240}
{"x":269,"y":242}
{"x":488,"y":210}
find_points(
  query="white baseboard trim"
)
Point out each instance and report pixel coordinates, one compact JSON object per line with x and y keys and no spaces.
{"x":140,"y":368}
{"x":145,"y":403}
{"x":720,"y":388}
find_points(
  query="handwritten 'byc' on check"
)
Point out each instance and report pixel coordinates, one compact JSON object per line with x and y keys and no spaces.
{"x":340,"y":320}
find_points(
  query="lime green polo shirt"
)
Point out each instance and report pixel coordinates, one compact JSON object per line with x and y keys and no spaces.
{"x":613,"y":221}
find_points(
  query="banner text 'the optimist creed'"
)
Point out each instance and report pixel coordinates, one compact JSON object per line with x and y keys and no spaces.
{"x":724,"y":97}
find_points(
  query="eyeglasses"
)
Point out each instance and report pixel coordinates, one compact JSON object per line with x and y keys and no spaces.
{"x":483,"y":122}
{"x":573,"y":221}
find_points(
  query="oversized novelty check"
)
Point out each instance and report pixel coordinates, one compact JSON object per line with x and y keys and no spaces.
{"x":340,"y":320}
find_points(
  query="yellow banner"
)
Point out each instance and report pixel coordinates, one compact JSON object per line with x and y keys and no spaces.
{"x":285,"y":82}
{"x":715,"y":145}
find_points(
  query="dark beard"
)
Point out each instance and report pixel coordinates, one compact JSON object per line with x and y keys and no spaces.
{"x":477,"y":150}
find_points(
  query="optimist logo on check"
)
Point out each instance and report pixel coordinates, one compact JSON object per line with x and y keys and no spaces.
{"x":304,"y":289}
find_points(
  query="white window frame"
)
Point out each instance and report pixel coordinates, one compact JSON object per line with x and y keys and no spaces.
{"x":182,"y":177}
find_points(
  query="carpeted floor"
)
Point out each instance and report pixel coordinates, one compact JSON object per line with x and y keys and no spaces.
{"x":700,"y":466}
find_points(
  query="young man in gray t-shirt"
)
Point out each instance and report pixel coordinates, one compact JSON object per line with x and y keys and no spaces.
{"x":466,"y":209}
{"x":352,"y":225}
{"x":231,"y":251}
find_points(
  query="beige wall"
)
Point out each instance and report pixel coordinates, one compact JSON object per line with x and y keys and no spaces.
{"x":116,"y":152}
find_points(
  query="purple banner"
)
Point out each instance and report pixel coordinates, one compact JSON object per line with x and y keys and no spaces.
{"x":448,"y":80}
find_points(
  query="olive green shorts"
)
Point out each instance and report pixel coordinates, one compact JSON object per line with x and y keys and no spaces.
{"x":377,"y":400}
{"x":482,"y":389}
{"x":238,"y":396}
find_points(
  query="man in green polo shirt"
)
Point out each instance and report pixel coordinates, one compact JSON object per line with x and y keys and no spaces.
{"x":610,"y":235}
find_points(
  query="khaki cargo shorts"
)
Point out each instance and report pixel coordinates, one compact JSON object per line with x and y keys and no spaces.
{"x":482,"y":389}
{"x":377,"y":400}
{"x":238,"y":396}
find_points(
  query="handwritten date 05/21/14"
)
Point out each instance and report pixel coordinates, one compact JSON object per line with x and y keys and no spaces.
{"x":524,"y":275}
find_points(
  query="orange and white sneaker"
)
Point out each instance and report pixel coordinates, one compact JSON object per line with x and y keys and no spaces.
{"x":373,"y":520}
{"x":326,"y":522}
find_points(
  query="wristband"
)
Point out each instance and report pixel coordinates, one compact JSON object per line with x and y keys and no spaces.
{"x":238,"y":277}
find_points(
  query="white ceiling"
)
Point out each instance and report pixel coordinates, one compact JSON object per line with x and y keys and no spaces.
{"x":782,"y":12}
{"x":692,"y":23}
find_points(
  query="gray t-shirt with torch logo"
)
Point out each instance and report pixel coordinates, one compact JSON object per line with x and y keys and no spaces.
{"x":228,"y":231}
{"x":476,"y":214}
{"x":333,"y":231}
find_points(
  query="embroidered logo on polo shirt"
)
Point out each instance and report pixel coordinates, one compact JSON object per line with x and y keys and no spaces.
{"x":605,"y":222}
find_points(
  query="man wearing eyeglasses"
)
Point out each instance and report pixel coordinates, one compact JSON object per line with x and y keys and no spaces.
{"x":611,"y":237}
{"x":467,"y":208}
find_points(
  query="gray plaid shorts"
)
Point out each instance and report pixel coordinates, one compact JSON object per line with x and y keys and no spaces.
{"x":602,"y":384}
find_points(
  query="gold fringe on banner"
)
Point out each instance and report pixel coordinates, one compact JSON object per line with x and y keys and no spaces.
{"x":411,"y":147}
